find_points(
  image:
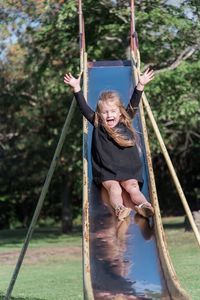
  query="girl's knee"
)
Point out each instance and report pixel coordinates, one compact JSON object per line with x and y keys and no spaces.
{"x":130,"y":185}
{"x":112,"y":186}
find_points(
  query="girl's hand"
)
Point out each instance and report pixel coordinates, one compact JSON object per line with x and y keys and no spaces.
{"x":145,"y":78}
{"x":73,"y":82}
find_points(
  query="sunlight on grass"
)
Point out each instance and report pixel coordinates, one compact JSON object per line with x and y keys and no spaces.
{"x":52,"y":267}
{"x":185,"y":254}
{"x":49,"y":280}
{"x":56,"y":281}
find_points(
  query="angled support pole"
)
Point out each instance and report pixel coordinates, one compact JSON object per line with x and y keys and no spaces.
{"x":171,"y":168}
{"x":41,"y":199}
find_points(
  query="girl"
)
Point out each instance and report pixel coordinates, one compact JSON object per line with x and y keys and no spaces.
{"x":116,"y":162}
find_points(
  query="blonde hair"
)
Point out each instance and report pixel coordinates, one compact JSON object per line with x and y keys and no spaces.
{"x":120,"y":139}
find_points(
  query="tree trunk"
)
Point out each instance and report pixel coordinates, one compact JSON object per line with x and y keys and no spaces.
{"x":66,"y":207}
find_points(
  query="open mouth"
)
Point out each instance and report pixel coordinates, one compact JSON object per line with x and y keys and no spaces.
{"x":110,"y":122}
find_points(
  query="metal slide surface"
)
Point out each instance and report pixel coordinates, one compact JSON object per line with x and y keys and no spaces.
{"x":124,"y":262}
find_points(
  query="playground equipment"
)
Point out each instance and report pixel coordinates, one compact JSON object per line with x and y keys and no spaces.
{"x":127,"y":260}
{"x":119,"y":259}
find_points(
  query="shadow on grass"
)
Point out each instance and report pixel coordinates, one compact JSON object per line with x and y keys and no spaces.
{"x":49,"y":234}
{"x":2,"y":297}
{"x":180,"y":225}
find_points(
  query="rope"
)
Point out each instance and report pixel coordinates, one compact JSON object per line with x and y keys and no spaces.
{"x":134,"y":39}
{"x":81,"y":35}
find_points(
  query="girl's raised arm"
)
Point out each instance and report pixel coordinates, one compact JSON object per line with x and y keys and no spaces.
{"x":87,"y":112}
{"x":144,"y":79}
{"x":73,"y":82}
{"x":137,"y":93}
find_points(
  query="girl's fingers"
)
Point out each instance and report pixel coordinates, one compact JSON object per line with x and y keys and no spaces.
{"x":151,"y":74}
{"x":148,"y":71}
{"x":70,"y":76}
{"x":151,"y":71}
{"x":67,"y":76}
{"x":151,"y":78}
{"x":66,"y":80}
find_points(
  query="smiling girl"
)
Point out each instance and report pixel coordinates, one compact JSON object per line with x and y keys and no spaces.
{"x":116,"y":162}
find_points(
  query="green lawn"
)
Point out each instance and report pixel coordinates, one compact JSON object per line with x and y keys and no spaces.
{"x":185,"y":255}
{"x":52,"y":268}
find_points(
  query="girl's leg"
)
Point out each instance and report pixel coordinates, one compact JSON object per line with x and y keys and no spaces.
{"x":141,"y":204}
{"x":115,"y":196}
{"x":114,"y":191}
{"x":132,"y":187}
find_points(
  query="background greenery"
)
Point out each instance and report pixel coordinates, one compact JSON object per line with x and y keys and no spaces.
{"x":39,"y":43}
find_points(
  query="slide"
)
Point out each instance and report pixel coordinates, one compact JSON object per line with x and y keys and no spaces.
{"x":122,"y":260}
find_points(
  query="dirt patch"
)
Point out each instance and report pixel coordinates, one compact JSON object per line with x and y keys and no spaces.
{"x":42,"y":255}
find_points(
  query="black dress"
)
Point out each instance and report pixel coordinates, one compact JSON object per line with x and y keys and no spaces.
{"x":109,"y":160}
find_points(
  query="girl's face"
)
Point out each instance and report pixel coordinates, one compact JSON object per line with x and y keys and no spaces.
{"x":110,"y":113}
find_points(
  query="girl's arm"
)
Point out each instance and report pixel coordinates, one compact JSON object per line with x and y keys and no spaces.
{"x":87,"y":112}
{"x":137,"y":93}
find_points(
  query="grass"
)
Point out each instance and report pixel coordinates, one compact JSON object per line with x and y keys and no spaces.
{"x":54,"y":281}
{"x":46,"y":277}
{"x":185,"y":255}
{"x":59,"y":276}
{"x":41,"y":237}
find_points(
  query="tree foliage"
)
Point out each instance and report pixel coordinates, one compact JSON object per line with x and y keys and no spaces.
{"x":39,"y":43}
